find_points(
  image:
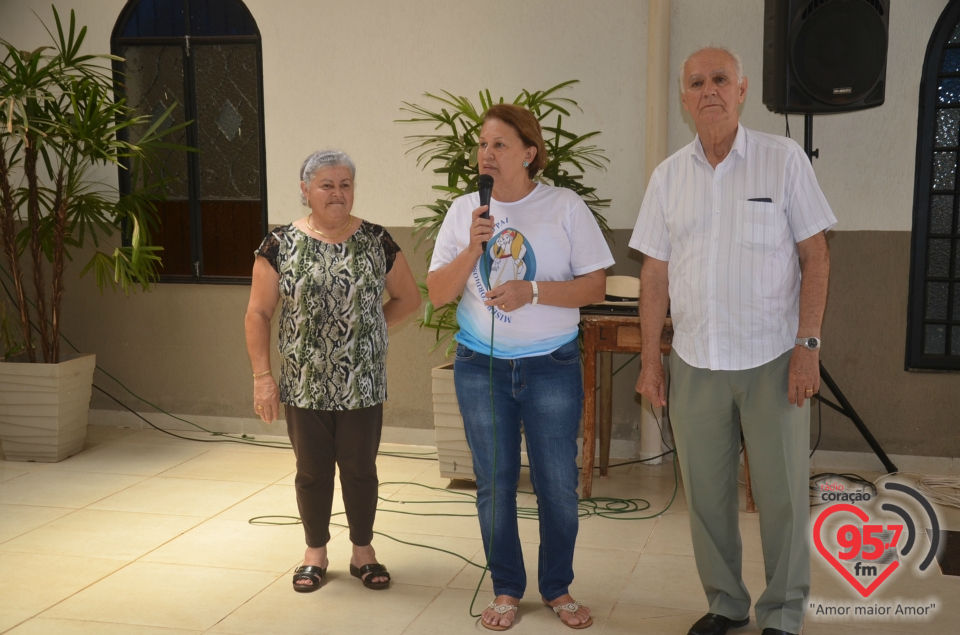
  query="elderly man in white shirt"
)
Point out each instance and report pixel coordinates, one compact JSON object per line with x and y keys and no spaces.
{"x":732,"y":231}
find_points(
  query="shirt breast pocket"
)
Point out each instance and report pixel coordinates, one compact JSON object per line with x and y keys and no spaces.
{"x":760,"y":226}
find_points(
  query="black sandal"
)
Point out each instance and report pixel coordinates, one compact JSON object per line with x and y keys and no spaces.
{"x":309,"y":572}
{"x":367,"y":572}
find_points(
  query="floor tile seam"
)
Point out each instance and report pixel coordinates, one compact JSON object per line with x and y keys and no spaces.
{"x":276,"y":574}
{"x":82,"y":470}
{"x":280,"y":572}
{"x":681,"y":612}
{"x":5,"y":549}
{"x":18,"y":624}
{"x":106,"y":621}
{"x":461,"y":504}
{"x":179,"y":443}
{"x":81,"y":590}
{"x":173,"y":467}
{"x":126,"y":431}
{"x":627,"y":578}
{"x":425,"y":536}
{"x":464,"y":559}
{"x":414,"y":535}
{"x":34,"y":466}
{"x":684,"y":609}
{"x":180,"y":534}
{"x":13,"y":478}
{"x":242,"y":500}
{"x":423,"y":610}
{"x":122,"y":489}
{"x":138,"y":513}
{"x":232,"y":448}
{"x":646,"y":542}
{"x":127,"y":511}
{"x":72,"y":619}
{"x":457,"y":512}
{"x":70,"y":513}
{"x":223,"y":480}
{"x":287,"y":475}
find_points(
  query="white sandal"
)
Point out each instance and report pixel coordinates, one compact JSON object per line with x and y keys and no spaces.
{"x":572,"y":607}
{"x":501,"y":610}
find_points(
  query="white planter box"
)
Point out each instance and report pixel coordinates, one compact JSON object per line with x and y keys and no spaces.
{"x":456,"y":460}
{"x":43,"y":408}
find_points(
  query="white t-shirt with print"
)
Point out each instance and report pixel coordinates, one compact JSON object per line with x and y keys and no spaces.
{"x":549,"y":235}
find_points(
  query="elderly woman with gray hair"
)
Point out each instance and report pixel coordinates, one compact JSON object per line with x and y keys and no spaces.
{"x":327,"y":272}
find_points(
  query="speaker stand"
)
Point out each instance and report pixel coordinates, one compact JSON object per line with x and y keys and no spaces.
{"x":845,"y":408}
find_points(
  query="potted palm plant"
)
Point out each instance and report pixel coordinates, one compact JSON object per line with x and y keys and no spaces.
{"x":59,"y":123}
{"x":451,"y":151}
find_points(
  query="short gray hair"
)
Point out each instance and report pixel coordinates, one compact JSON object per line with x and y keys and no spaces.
{"x":737,"y":62}
{"x":322,"y":159}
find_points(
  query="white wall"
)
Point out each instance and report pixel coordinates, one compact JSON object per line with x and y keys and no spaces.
{"x":339,"y":74}
{"x":867,"y":158}
{"x":335,"y":74}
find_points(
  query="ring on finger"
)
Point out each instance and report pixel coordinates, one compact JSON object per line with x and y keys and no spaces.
{"x":259,"y":407}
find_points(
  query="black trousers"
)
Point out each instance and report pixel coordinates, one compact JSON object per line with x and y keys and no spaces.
{"x":322,"y":441}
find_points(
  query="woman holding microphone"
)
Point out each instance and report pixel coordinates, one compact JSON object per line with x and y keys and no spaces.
{"x":545,"y":257}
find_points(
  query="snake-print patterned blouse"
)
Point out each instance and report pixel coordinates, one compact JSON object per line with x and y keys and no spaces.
{"x":333,"y":336}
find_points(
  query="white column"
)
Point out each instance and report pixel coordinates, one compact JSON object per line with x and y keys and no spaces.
{"x":658,"y":102}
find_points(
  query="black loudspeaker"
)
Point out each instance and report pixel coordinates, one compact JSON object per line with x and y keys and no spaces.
{"x":822,"y":56}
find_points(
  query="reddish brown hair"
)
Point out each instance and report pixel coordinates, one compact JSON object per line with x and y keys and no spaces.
{"x":528,"y":129}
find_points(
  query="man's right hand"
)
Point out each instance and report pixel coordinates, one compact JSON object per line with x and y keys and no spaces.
{"x":651,"y":383}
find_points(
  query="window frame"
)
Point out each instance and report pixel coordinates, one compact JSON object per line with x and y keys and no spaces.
{"x":186,"y":42}
{"x":915,"y":358}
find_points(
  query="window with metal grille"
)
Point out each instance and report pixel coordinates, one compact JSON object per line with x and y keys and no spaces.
{"x":933,"y":321}
{"x":205,"y":57}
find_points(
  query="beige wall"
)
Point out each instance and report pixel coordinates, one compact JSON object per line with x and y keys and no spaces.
{"x":335,"y":75}
{"x":182,"y":348}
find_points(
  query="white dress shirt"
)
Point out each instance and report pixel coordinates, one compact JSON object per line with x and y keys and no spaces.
{"x":730,"y":236}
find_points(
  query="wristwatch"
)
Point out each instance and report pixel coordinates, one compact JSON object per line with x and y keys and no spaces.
{"x":811,"y":343}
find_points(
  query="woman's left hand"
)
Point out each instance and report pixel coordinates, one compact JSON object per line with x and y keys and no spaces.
{"x":511,"y":295}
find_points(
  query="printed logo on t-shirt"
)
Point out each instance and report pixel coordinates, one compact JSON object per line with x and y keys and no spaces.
{"x":509,"y":256}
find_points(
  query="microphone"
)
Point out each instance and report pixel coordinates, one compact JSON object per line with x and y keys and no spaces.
{"x":485,"y":183}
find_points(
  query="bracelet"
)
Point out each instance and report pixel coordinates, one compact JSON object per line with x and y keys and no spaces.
{"x":263,"y":374}
{"x":536,"y":291}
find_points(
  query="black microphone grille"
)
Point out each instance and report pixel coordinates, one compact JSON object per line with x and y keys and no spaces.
{"x":485,"y":182}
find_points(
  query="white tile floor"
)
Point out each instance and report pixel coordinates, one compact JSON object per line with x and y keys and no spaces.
{"x":146,"y":534}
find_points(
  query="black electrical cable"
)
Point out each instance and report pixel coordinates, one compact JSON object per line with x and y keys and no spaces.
{"x":610,"y":508}
{"x":150,"y":423}
{"x":819,"y":424}
{"x":225,"y":437}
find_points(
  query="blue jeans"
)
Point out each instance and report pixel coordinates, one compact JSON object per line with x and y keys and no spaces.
{"x":544,"y":394}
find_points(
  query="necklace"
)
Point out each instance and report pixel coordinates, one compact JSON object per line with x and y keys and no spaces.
{"x":331,"y":237}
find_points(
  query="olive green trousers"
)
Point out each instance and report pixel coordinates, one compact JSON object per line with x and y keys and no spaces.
{"x":707,"y":410}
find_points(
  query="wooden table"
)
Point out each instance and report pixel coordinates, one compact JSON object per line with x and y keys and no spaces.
{"x":605,"y":335}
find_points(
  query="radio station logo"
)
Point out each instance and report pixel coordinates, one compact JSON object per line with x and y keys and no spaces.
{"x":867,"y":549}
